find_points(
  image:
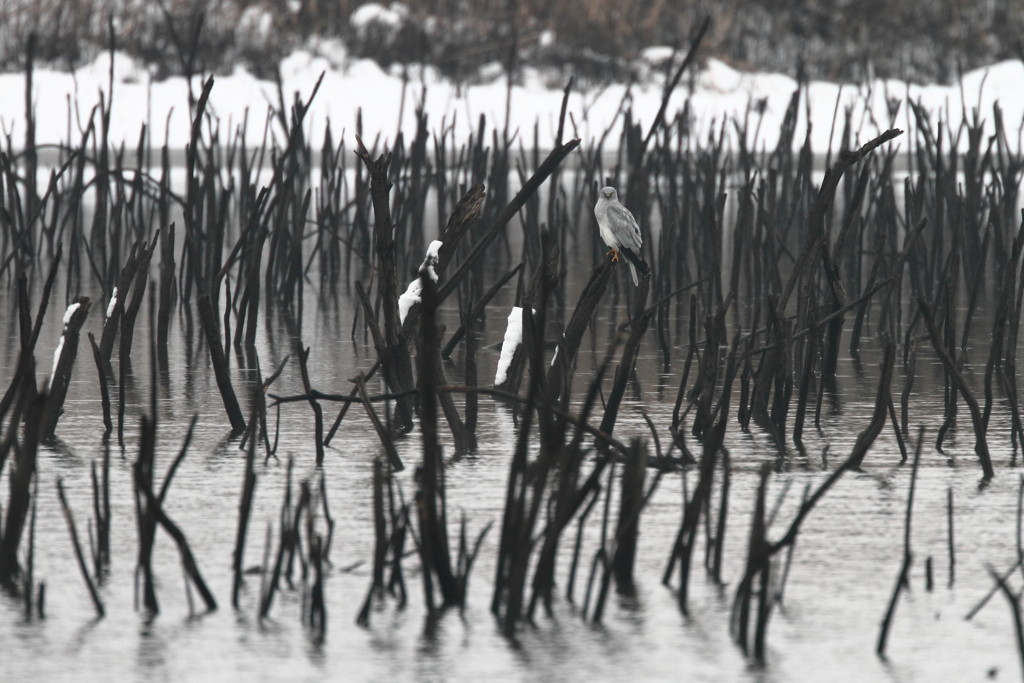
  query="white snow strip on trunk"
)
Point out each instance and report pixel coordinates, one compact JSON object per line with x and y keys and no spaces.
{"x":513,"y":338}
{"x":409,"y":299}
{"x":415,"y":288}
{"x":110,"y":306}
{"x":56,"y":358}
{"x":60,"y":345}
{"x":70,"y":312}
{"x":433,"y":256}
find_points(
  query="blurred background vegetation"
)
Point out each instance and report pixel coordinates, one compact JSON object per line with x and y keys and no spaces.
{"x":598,"y":40}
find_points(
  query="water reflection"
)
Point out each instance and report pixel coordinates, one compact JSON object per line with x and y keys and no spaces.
{"x":151,"y":651}
{"x":843,"y":566}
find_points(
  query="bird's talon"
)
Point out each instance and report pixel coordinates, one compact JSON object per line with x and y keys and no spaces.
{"x":614,"y":254}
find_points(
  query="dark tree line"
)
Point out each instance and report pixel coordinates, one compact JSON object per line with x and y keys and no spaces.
{"x":917,"y":40}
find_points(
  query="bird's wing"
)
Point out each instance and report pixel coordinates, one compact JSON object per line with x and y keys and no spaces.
{"x":601,"y":214}
{"x":624,"y":227}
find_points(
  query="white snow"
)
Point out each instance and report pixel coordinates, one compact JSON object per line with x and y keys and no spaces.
{"x":409,"y":299}
{"x":720,"y":92}
{"x":373,"y":13}
{"x":415,"y":289}
{"x":657,"y":55}
{"x":513,"y":338}
{"x":70,"y":312}
{"x":60,"y":345}
{"x":331,"y":49}
{"x":255,"y":25}
{"x":433,"y":249}
{"x":56,"y":358}
{"x":111,"y":305}
{"x":433,"y":255}
{"x":56,"y":353}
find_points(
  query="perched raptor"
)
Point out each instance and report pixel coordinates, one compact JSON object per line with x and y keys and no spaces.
{"x":619,"y":231}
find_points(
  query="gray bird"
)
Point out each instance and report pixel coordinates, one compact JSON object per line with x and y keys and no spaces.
{"x":619,"y":231}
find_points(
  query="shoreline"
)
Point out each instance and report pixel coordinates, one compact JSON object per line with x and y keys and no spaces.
{"x":386,"y":104}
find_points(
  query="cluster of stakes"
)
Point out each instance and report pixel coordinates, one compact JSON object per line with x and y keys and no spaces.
{"x":762,"y":332}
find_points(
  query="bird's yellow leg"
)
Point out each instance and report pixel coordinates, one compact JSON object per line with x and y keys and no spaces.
{"x":613,"y":252}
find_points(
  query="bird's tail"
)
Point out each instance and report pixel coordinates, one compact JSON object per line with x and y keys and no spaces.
{"x":635,"y":263}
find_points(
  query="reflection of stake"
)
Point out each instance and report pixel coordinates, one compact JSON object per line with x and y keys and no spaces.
{"x":245,"y":505}
{"x":318,"y":414}
{"x":1014,"y":601}
{"x":69,"y":518}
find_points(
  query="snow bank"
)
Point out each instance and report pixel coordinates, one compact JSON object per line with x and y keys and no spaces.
{"x":353,"y":84}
